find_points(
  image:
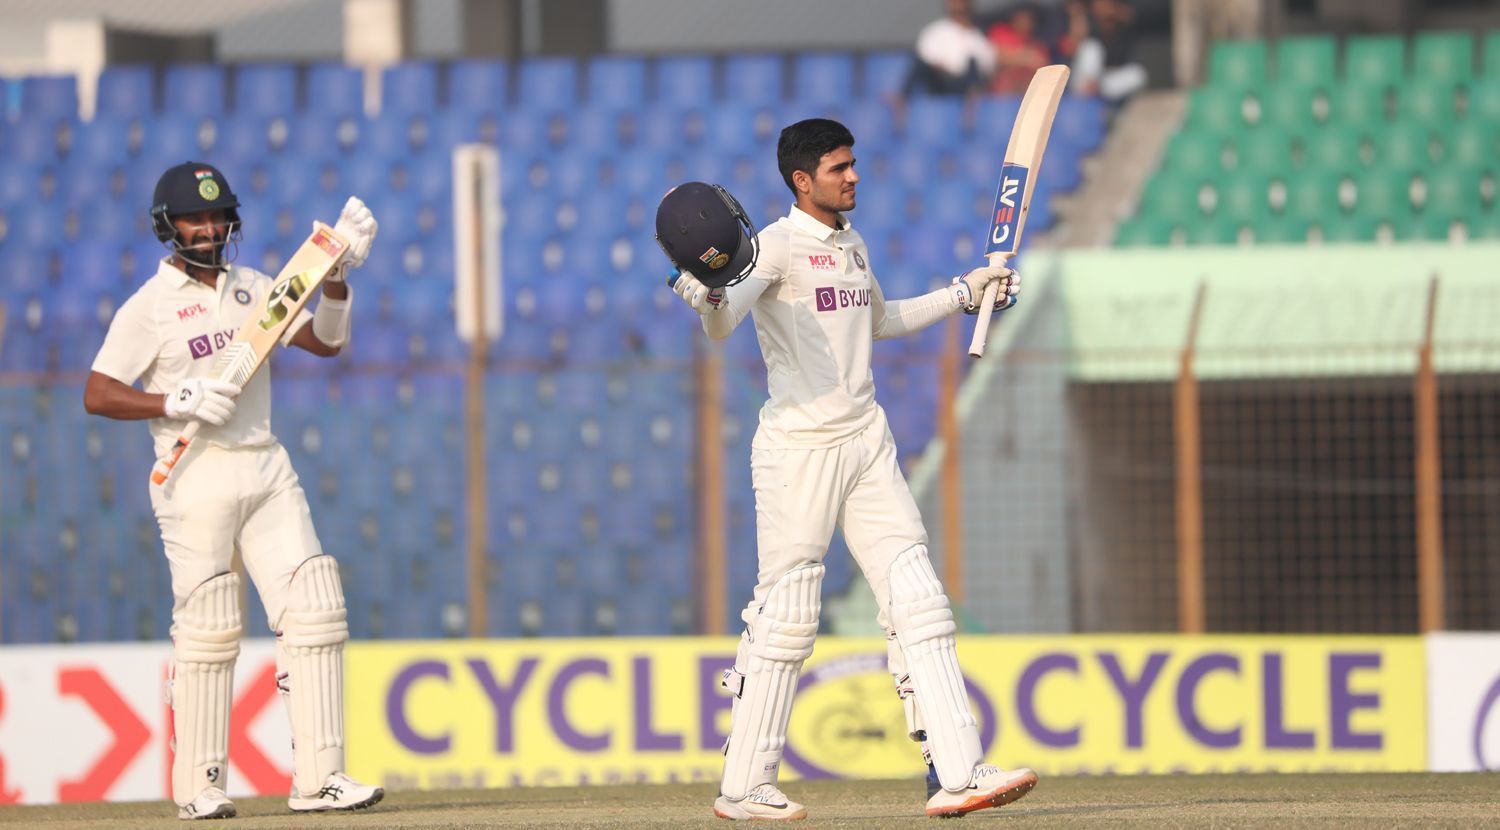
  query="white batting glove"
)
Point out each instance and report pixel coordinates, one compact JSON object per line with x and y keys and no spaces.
{"x":202,"y":399}
{"x":969,"y":288}
{"x":698,"y":296}
{"x":357,"y":225}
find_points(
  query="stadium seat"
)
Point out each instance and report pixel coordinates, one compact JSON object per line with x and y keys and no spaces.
{"x":265,"y":89}
{"x":1360,"y":104}
{"x":1243,"y":198}
{"x":334,"y":89}
{"x":823,"y":78}
{"x":617,"y":82}
{"x":1293,"y":107}
{"x":1312,"y":195}
{"x":884,"y":74}
{"x":1332,"y":148}
{"x":1173,"y":198}
{"x":1306,"y":60}
{"x":172,"y":138}
{"x":1491,"y":65}
{"x":478,"y":86}
{"x":547,"y":83}
{"x":1473,"y":145}
{"x":1080,"y":121}
{"x":1443,"y":56}
{"x":1279,"y":230}
{"x":1454,"y":192}
{"x":1267,"y":150}
{"x":1144,"y":230}
{"x":1216,"y":110}
{"x":1214,"y":231}
{"x":195,"y":89}
{"x":1384,"y":194}
{"x":1375,"y":60}
{"x":39,"y":141}
{"x":1238,"y":64}
{"x":1406,"y":146}
{"x":49,"y":96}
{"x":410,"y":87}
{"x":685,"y":81}
{"x":754,"y":78}
{"x":931,"y":122}
{"x":1432,"y":103}
{"x":1197,"y":153}
{"x":127,"y":91}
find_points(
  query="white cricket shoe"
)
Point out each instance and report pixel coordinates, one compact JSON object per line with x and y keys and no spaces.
{"x":211,"y":803}
{"x":764,"y":803}
{"x":340,"y":792}
{"x":990,"y":786}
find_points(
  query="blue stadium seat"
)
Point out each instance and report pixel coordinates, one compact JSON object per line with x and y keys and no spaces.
{"x":265,"y":89}
{"x":126,"y":91}
{"x":326,"y":138}
{"x":430,"y":177}
{"x":685,"y":81}
{"x":954,"y":204}
{"x":409,"y":88}
{"x":995,"y":118}
{"x":478,"y":86}
{"x":197,"y":89}
{"x":534,"y":131}
{"x":393,"y":135}
{"x":885,"y":73}
{"x":598,"y":129}
{"x":872,"y":124}
{"x":49,"y":96}
{"x":38,"y":140}
{"x":824,"y":78}
{"x":107,"y":140}
{"x":1080,"y":121}
{"x":93,"y":267}
{"x":370,"y":177}
{"x":334,"y":89}
{"x":931,"y":122}
{"x":250,"y":137}
{"x":755,"y":79}
{"x":617,"y":81}
{"x":547,"y":83}
{"x":172,"y":138}
{"x":24,"y":272}
{"x":744,"y":127}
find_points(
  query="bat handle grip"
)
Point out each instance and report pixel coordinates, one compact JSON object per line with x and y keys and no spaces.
{"x":982,"y":322}
{"x":162,"y":469}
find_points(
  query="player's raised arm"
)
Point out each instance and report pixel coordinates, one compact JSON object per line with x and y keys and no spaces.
{"x":331,"y":322}
{"x":705,"y":232}
{"x":898,"y":318}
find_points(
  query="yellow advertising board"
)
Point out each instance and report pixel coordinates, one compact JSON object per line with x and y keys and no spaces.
{"x":562,"y":712}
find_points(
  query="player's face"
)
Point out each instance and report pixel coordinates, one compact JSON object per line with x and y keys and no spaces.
{"x":833,"y":186}
{"x":203,"y":229}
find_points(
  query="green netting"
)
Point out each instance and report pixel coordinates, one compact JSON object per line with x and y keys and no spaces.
{"x":1237,"y":63}
{"x":1306,"y":61}
{"x":1443,"y":56}
{"x":1375,"y":60}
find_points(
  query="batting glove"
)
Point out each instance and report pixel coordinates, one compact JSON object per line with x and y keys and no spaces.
{"x":968,"y":289}
{"x":698,"y":296}
{"x":357,"y":225}
{"x":202,"y":399}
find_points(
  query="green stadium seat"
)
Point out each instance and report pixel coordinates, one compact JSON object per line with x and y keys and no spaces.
{"x":1144,"y":230}
{"x":1384,"y":194}
{"x":1266,"y":150}
{"x":1237,"y":64}
{"x":1193,"y":152}
{"x":1280,"y":230}
{"x":1312,"y":196}
{"x":1173,"y":198}
{"x":1306,"y":61}
{"x":1293,"y":106}
{"x":1347,"y":228}
{"x":1473,"y":145}
{"x":1485,"y":226}
{"x":1484,"y":101}
{"x":1454,"y":192}
{"x":1429,"y":102}
{"x":1377,"y":60}
{"x":1332,"y":148}
{"x":1217,"y":110}
{"x":1359,"y":103}
{"x":1214,"y":231}
{"x":1443,"y":56}
{"x":1407,"y":146}
{"x":1244,"y":198}
{"x":1425,"y":228}
{"x":1492,"y":54}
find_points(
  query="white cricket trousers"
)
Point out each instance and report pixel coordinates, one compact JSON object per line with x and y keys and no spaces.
{"x":801,"y":495}
{"x":219,"y":500}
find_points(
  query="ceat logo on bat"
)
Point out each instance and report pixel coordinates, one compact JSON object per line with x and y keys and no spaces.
{"x":1007,"y":209}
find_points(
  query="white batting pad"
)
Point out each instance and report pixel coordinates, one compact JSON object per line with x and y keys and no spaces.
{"x":923,"y":621}
{"x":310,"y":650}
{"x":764,"y":679}
{"x":205,"y":643}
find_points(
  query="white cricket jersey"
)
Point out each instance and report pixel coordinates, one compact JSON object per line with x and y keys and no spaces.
{"x":817,"y":310}
{"x":173,"y":327}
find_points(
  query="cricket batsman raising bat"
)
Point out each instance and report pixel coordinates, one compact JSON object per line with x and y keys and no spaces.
{"x":194,"y":335}
{"x":822,"y":457}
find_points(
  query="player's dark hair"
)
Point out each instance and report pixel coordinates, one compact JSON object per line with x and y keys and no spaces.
{"x":805,"y":143}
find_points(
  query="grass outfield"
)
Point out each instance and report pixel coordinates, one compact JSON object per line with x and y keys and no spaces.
{"x":1342,"y":800}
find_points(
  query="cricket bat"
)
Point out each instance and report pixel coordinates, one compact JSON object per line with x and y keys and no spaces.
{"x":252,"y":344}
{"x":1023,"y":160}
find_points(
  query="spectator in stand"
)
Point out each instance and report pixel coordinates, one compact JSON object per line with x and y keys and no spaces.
{"x":1064,"y":28}
{"x":1104,"y":63}
{"x":1019,"y":52}
{"x":953,"y":57}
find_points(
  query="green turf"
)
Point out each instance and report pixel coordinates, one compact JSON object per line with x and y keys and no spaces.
{"x":1339,"y":800}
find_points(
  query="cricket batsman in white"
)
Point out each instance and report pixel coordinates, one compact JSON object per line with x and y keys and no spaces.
{"x":823,"y":456}
{"x":235,"y":491}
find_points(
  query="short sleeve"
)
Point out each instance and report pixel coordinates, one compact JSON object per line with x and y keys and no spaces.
{"x":130,"y":346}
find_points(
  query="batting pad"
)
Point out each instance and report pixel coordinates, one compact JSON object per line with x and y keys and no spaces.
{"x":764,"y":679}
{"x":310,"y":650}
{"x":205,"y":644}
{"x":923,"y":621}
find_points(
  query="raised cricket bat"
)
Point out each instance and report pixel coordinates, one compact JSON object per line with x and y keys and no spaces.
{"x":252,"y":344}
{"x":1023,"y":160}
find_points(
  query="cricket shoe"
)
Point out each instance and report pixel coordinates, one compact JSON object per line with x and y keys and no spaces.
{"x":211,"y":803}
{"x":990,"y":786}
{"x":340,"y":792}
{"x":764,"y":803}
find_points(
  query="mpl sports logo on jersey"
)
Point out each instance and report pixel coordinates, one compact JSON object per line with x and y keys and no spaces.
{"x":833,"y":299}
{"x":1007,"y":209}
{"x":822,"y":262}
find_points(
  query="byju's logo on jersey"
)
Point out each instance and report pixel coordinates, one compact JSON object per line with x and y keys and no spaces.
{"x":832,"y":299}
{"x":206,"y":344}
{"x":1007,"y":209}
